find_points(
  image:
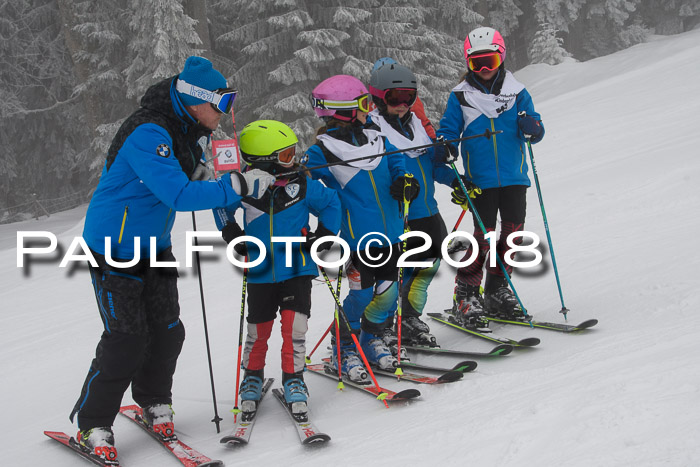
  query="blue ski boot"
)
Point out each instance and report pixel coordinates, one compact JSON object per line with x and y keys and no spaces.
{"x":296,"y":394}
{"x":251,"y":391}
{"x":351,"y":364}
{"x":377,"y":352}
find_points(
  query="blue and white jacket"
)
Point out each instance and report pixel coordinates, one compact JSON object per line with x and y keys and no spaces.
{"x":283,"y":211}
{"x":363,"y":186}
{"x":409,"y":132}
{"x":146,"y":177}
{"x":472,"y":109}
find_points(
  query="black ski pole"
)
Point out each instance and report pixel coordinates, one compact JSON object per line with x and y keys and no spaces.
{"x":486,"y":134}
{"x":216,"y":418}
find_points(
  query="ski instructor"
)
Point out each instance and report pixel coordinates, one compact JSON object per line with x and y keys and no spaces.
{"x":153,"y":168}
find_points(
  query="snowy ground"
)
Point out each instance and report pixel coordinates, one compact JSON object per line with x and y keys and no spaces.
{"x":620,"y":174}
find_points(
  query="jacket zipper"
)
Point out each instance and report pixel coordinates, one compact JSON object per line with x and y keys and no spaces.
{"x":352,"y":235}
{"x":495,"y":153}
{"x":425,"y":185}
{"x":376,"y":196}
{"x":121,"y":231}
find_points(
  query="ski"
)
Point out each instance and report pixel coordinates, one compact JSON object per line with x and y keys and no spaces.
{"x":185,"y":454}
{"x":527,"y":342}
{"x":244,"y":426}
{"x":544,"y":325}
{"x":73,"y":445}
{"x":462,"y":367}
{"x":308,"y":434}
{"x":378,"y":392}
{"x":448,"y":376}
{"x":499,"y":350}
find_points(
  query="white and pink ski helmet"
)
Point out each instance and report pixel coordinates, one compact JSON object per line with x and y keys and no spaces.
{"x":482,"y":40}
{"x":339,"y":92}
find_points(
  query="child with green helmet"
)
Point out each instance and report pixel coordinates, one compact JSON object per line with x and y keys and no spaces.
{"x":282,"y":211}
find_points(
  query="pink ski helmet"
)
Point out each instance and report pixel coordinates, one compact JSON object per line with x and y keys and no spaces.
{"x":482,"y":40}
{"x":340,"y":93}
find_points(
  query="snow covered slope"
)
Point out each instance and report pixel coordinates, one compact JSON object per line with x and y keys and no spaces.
{"x":620,"y":176}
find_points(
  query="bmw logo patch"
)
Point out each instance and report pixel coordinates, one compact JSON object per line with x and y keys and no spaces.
{"x":163,"y":150}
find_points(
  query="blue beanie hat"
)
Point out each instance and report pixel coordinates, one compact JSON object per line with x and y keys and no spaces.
{"x":199,"y":72}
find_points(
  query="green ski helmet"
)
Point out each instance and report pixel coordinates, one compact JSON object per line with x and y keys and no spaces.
{"x":266,"y":143}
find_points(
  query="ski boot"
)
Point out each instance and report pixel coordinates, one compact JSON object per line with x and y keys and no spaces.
{"x":415,"y":331}
{"x":377,"y":352}
{"x":391,"y":340}
{"x":251,"y":390}
{"x":500,"y":301}
{"x":468,"y":306}
{"x":159,"y":418}
{"x":296,"y":394}
{"x":351,"y":365}
{"x":99,"y":443}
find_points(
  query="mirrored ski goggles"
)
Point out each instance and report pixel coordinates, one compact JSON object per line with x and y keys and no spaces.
{"x":361,"y":103}
{"x":398,"y":96}
{"x":220,"y":99}
{"x":484,"y":62}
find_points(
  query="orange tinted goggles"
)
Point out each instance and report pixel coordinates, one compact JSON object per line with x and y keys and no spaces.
{"x":484,"y":62}
{"x":286,"y":156}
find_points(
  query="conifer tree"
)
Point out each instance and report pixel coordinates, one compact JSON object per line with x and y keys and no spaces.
{"x":546,"y":47}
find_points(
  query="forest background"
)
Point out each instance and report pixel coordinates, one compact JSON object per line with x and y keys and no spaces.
{"x":72,"y":71}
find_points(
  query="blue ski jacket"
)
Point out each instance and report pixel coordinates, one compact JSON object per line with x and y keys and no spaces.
{"x":283,"y":211}
{"x":422,"y":164}
{"x":363,"y":186}
{"x":473,"y":109}
{"x":146,"y":178}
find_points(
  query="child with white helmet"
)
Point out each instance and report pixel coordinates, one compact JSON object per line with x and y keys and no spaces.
{"x":282,"y":211}
{"x":490,"y":98}
{"x":370,"y":191}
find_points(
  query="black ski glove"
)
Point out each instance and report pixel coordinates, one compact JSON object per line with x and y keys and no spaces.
{"x":411,"y":186}
{"x":458,"y":196}
{"x":313,"y":237}
{"x":232,"y":231}
{"x":445,"y":152}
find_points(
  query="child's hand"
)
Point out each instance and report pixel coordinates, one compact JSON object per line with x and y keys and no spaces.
{"x":531,"y":127}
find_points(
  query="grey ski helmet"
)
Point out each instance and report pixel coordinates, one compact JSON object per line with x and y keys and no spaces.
{"x":390,"y":76}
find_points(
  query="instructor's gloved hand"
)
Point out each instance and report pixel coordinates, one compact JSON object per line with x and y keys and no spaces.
{"x":232,"y":231}
{"x":252,"y":183}
{"x":202,"y":173}
{"x":313,"y":237}
{"x":458,"y":196}
{"x":531,"y":128}
{"x":445,"y":152}
{"x":410,"y":184}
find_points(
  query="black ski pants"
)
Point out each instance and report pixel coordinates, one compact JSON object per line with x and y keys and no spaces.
{"x":141,"y":341}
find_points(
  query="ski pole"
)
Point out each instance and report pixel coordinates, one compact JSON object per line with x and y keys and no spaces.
{"x":486,"y":134}
{"x":563,"y":310}
{"x":308,"y":357}
{"x":341,"y":312}
{"x":483,"y":230}
{"x":216,"y":418}
{"x":406,"y":204}
{"x":336,"y":319}
{"x":235,"y":409}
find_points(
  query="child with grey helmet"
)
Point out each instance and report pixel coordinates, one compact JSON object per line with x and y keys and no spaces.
{"x":394,"y":90}
{"x":489,"y":97}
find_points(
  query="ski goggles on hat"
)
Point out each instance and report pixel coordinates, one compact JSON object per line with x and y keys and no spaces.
{"x":361,"y":103}
{"x":484,"y":62}
{"x":220,"y":99}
